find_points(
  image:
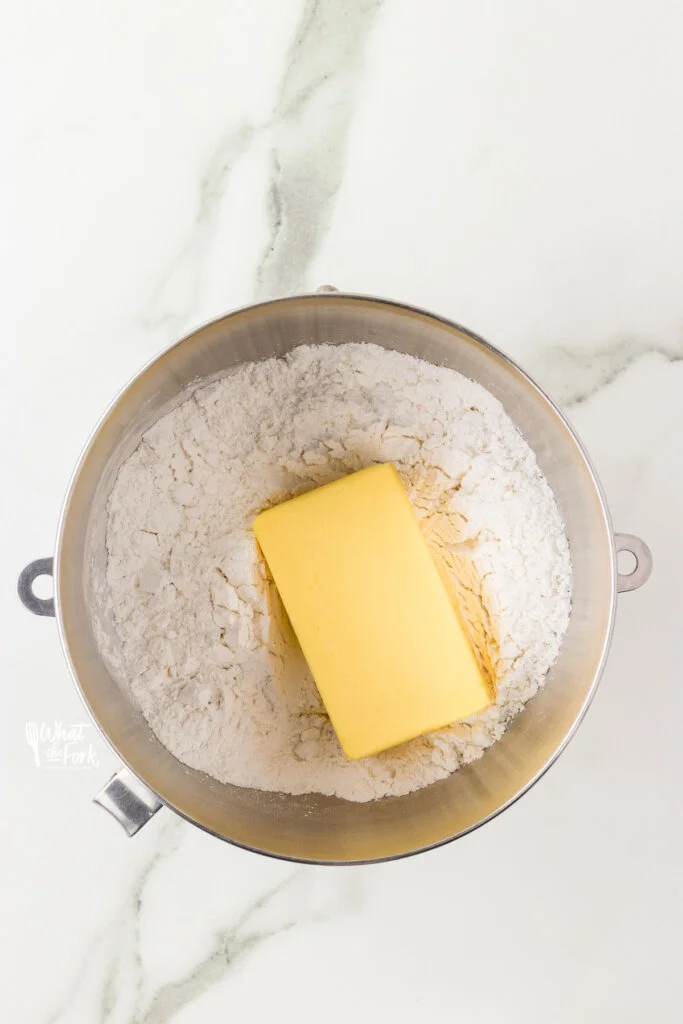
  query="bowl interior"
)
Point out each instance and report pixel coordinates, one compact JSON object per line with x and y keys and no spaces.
{"x":314,"y":827}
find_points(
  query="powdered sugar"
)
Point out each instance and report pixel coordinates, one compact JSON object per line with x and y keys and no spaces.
{"x":210,"y":657}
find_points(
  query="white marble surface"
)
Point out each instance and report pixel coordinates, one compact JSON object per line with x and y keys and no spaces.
{"x":517,"y":167}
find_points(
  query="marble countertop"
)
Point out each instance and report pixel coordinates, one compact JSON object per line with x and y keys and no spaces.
{"x":516,"y":167}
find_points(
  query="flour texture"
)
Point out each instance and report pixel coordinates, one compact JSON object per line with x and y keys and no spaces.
{"x":209,"y":653}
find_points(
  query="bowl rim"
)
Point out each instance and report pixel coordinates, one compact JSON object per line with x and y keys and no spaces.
{"x":334,"y":295}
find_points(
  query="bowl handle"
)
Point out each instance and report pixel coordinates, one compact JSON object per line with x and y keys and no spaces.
{"x":643,"y":566}
{"x":128,"y":800}
{"x":30,"y":600}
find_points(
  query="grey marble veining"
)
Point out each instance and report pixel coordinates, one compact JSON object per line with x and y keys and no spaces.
{"x":311,"y":123}
{"x":185,"y":272}
{"x":306,"y":135}
{"x":111,"y":962}
{"x":572,"y":376}
{"x":111,"y":976}
{"x":229,"y":946}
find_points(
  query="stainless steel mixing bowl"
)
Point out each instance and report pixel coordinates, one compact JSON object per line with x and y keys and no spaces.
{"x":316,"y":828}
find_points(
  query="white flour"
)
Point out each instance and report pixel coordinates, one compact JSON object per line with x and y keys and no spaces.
{"x":210,"y":658}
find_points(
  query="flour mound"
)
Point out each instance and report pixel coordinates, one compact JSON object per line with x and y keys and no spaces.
{"x":210,"y":657}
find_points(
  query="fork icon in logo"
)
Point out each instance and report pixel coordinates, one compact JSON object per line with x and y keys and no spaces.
{"x":33,"y":740}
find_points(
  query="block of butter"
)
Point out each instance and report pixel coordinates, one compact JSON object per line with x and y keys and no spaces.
{"x":371,"y":612}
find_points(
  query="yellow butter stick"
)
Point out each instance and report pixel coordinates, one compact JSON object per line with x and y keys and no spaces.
{"x":371,"y":612}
